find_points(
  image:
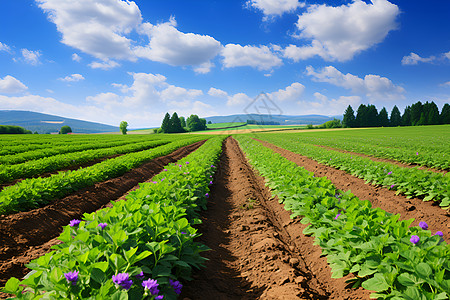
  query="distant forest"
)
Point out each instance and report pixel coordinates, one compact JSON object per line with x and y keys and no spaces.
{"x":414,"y":115}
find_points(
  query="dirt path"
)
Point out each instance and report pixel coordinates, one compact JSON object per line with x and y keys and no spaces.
{"x":258,"y":252}
{"x":391,"y":161}
{"x":27,"y":235}
{"x":436,"y":218}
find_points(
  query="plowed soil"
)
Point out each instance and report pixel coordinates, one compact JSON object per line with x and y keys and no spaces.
{"x":27,"y":235}
{"x":437,"y":218}
{"x":258,"y":252}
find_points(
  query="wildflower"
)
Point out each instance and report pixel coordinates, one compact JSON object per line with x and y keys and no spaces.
{"x":177,"y":286}
{"x":417,"y":153}
{"x":103,"y":225}
{"x":207,"y":195}
{"x":212,"y":166}
{"x":140,"y":276}
{"x":414,"y":239}
{"x":72,"y":277}
{"x":423,"y":225}
{"x":123,"y":280}
{"x":210,"y":182}
{"x":439,"y":233}
{"x":337,"y":216}
{"x":210,"y":176}
{"x":183,"y":232}
{"x":74,"y":222}
{"x":390,"y":173}
{"x":165,"y":170}
{"x":159,"y":297}
{"x":392,"y":186}
{"x":151,"y":285}
{"x":187,"y":162}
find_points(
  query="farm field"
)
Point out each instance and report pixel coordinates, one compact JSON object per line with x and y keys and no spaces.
{"x":281,"y":220}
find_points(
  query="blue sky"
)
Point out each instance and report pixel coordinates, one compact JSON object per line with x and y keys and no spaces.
{"x":112,"y":60}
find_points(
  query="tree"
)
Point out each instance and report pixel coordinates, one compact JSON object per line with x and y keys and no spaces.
{"x":432,"y":113}
{"x":445,"y":114}
{"x":165,"y":126}
{"x":383,"y":119}
{"x":416,"y":113}
{"x":361,"y":116}
{"x":65,"y":130}
{"x":349,"y":118}
{"x":123,"y":127}
{"x":406,"y":117}
{"x":396,"y":118}
{"x":194,"y":123}
{"x":372,"y":116}
{"x":175,"y":124}
{"x":183,"y":122}
{"x":209,"y":122}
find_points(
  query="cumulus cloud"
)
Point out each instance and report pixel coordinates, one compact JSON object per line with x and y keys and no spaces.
{"x":290,"y":93}
{"x":260,"y":57}
{"x":445,"y":84}
{"x":324,"y":106}
{"x":447,"y":54}
{"x":171,"y":46}
{"x":4,"y":47}
{"x":374,"y":86}
{"x":339,"y":33}
{"x":274,"y":7}
{"x":72,"y":78}
{"x":76,"y":57}
{"x":217,"y":93}
{"x":11,"y":85}
{"x":98,"y":28}
{"x":238,"y":99}
{"x":414,"y":59}
{"x":31,"y":57}
{"x":104,"y":65}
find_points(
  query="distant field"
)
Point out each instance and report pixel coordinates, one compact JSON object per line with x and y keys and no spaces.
{"x":222,"y":125}
{"x":251,"y":128}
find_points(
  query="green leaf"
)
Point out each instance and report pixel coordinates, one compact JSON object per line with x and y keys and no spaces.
{"x":11,"y":286}
{"x":98,"y":275}
{"x":377,"y":283}
{"x":406,"y":279}
{"x":424,"y":270}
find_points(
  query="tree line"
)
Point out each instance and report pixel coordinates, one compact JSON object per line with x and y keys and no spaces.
{"x":175,"y":124}
{"x":413,"y":115}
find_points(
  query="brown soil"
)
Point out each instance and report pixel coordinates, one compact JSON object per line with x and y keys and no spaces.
{"x":27,"y":235}
{"x":257,"y":251}
{"x":391,"y":161}
{"x":437,"y":218}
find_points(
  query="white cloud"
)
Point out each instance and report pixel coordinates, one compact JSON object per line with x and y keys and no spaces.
{"x":374,"y":86}
{"x":447,"y":54}
{"x":11,"y":85}
{"x":104,"y":65}
{"x":445,"y":84}
{"x":4,"y":47}
{"x":325,"y":106}
{"x":175,"y":93}
{"x":31,"y":57}
{"x":260,"y":57}
{"x":170,"y":46}
{"x":238,"y":99}
{"x":204,"y":68}
{"x":76,"y":57}
{"x":95,"y":27}
{"x":275,"y":7}
{"x":72,"y":78}
{"x":339,"y":33}
{"x":290,"y":93}
{"x":414,"y":59}
{"x":217,"y":93}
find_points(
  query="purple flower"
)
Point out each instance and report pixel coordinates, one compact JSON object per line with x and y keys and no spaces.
{"x":183,"y":232}
{"x":140,"y":276}
{"x":210,"y":182}
{"x":414,"y":239}
{"x":210,"y":176}
{"x":72,"y":277}
{"x":417,"y":153}
{"x":154,"y":182}
{"x":151,"y":285}
{"x":103,"y":225}
{"x":123,"y":280}
{"x":337,"y":216}
{"x":159,"y":297}
{"x":423,"y":225}
{"x":390,"y":173}
{"x":212,"y":166}
{"x":165,"y":170}
{"x":207,"y":195}
{"x":177,"y":286}
{"x":439,"y":233}
{"x":74,"y":222}
{"x":187,"y":162}
{"x":392,"y":186}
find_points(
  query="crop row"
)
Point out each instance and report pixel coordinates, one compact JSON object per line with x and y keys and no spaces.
{"x":384,"y":254}
{"x":140,"y":248}
{"x":411,"y":155}
{"x":20,"y":143}
{"x":35,"y":192}
{"x":31,"y":168}
{"x":410,"y":181}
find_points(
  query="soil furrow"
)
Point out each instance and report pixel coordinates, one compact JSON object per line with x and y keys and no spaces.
{"x":27,"y":235}
{"x":257,"y":251}
{"x":391,"y":161}
{"x":437,"y":218}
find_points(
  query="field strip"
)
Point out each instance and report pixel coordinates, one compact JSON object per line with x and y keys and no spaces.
{"x":437,"y":218}
{"x":391,"y":161}
{"x":28,"y":235}
{"x":258,"y":252}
